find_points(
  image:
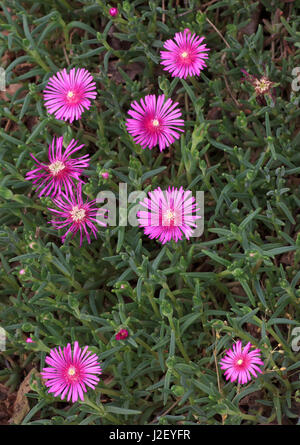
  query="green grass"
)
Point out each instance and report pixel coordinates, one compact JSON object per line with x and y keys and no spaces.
{"x":184,"y":304}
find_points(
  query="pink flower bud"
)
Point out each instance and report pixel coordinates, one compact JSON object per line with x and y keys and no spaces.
{"x":122,"y":334}
{"x":113,"y":12}
{"x":105,"y":175}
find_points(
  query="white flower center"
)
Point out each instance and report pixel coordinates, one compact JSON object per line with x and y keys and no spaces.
{"x":56,"y":167}
{"x":184,"y":54}
{"x":155,"y":122}
{"x":240,"y":361}
{"x":70,"y":94}
{"x":77,"y":214}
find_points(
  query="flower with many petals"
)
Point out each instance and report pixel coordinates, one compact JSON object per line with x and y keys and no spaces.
{"x":154,"y":121}
{"x":184,"y":56}
{"x":239,"y":363}
{"x":76,"y":215}
{"x":60,"y":170}
{"x":69,"y":372}
{"x":170,"y":214}
{"x":67,"y":95}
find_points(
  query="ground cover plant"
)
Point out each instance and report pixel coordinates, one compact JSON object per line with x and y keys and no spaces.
{"x":120,"y":324}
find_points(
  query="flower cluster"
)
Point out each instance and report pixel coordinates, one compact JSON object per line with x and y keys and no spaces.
{"x":155,"y":120}
{"x":66,"y":96}
{"x":168,"y":215}
{"x":69,"y":372}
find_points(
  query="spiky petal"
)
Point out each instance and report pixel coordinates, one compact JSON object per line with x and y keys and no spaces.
{"x":76,"y":215}
{"x":240,"y":363}
{"x":170,"y":214}
{"x":59,"y":172}
{"x":154,"y":121}
{"x":67,"y":95}
{"x":184,"y":56}
{"x":69,"y":372}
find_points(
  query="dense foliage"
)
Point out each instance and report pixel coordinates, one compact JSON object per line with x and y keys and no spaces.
{"x":183,"y":303}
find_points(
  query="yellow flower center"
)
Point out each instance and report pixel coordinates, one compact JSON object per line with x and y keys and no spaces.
{"x":184,"y":54}
{"x":240,"y":362}
{"x":169,"y":215}
{"x":262,"y":85}
{"x":71,"y":371}
{"x":56,"y":167}
{"x":155,"y":123}
{"x":77,"y":214}
{"x":72,"y":97}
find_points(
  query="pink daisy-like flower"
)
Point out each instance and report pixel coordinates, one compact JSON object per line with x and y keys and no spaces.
{"x":70,"y":373}
{"x":239,"y":363}
{"x":78,"y":215}
{"x":67,"y":95}
{"x":169,"y":214}
{"x":154,"y":121}
{"x":122,"y":334}
{"x":184,"y":56}
{"x":60,"y":170}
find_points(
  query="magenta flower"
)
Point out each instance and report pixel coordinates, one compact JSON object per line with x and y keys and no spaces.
{"x":61,"y":170}
{"x":239,"y":363}
{"x":122,"y":334}
{"x":29,"y":340}
{"x":105,"y":175}
{"x":113,"y":12}
{"x":78,"y":215}
{"x":169,"y":214}
{"x":184,"y":56}
{"x":154,"y":121}
{"x":67,"y":95}
{"x":69,"y":373}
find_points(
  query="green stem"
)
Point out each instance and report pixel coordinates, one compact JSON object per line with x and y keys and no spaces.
{"x":35,"y":55}
{"x":178,"y":341}
{"x":142,"y":343}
